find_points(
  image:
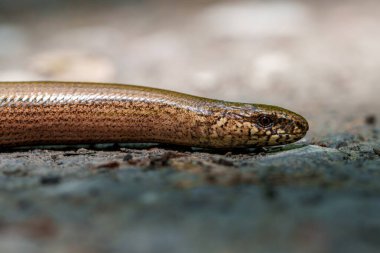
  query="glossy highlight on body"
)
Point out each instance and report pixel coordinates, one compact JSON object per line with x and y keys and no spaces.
{"x":48,"y":113}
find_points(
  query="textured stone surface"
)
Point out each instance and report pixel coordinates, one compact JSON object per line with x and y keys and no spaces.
{"x":298,"y":197}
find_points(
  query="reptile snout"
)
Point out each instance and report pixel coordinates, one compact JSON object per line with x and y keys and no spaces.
{"x":299,"y":127}
{"x":302,"y":125}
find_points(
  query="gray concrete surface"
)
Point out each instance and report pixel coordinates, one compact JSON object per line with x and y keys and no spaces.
{"x":319,"y":58}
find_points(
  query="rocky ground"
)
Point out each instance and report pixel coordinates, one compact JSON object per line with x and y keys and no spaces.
{"x":321,"y":194}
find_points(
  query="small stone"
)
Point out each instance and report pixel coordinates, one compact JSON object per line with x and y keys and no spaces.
{"x":370,"y":119}
{"x":127,"y":157}
{"x":108,"y":165}
{"x":223,"y":161}
{"x":50,"y":179}
{"x":82,"y":151}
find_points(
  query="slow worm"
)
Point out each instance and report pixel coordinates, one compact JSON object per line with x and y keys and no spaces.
{"x":44,"y":113}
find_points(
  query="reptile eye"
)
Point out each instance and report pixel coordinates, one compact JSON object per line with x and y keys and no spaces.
{"x":265,"y":121}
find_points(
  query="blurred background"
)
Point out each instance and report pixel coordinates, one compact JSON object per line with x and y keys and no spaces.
{"x":318,"y":58}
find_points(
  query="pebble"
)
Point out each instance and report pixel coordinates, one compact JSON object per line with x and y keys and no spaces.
{"x":50,"y":179}
{"x":370,"y":120}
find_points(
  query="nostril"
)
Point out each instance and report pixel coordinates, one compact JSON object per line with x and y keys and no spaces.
{"x":302,"y":126}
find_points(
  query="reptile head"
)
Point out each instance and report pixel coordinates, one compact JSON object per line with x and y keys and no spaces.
{"x":255,"y":125}
{"x":277,"y":126}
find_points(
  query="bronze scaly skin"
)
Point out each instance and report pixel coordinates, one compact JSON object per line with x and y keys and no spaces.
{"x":44,"y":113}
